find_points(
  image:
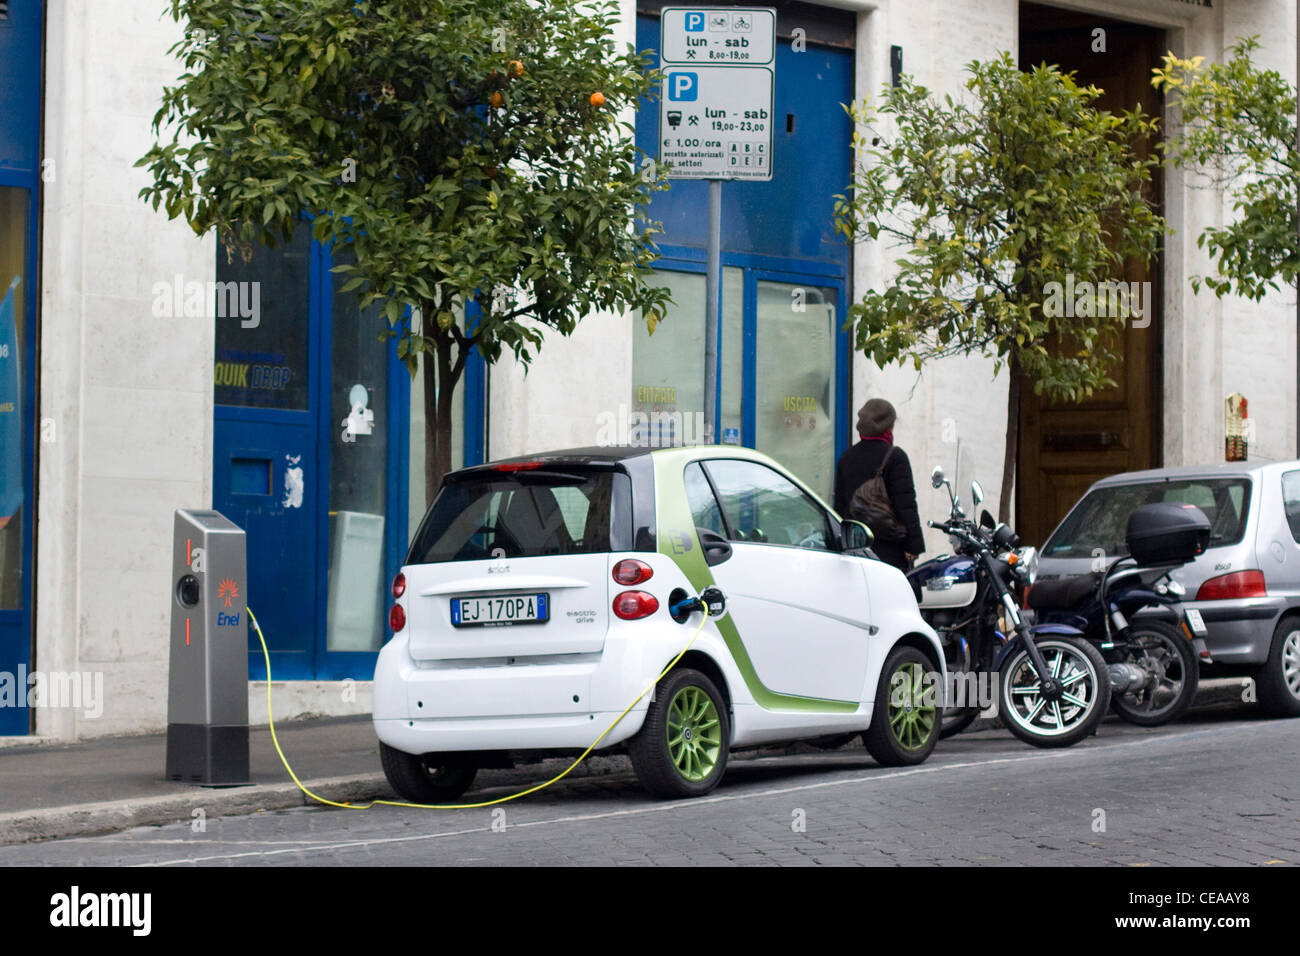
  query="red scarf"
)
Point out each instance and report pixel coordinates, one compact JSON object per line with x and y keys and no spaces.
{"x":886,"y":436}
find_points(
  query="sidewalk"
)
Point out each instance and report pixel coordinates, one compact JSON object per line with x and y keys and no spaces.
{"x":59,"y":790}
{"x":48,"y":791}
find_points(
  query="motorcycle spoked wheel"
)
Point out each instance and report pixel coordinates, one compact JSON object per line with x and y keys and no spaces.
{"x":1167,"y":657}
{"x":1034,"y":719}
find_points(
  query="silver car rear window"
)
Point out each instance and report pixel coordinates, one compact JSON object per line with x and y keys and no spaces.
{"x":1097,"y":523}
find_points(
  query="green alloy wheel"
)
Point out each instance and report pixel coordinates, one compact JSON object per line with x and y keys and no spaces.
{"x":681,"y":750}
{"x":905,"y":722}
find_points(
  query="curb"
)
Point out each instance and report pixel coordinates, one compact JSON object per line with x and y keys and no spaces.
{"x":92,"y":819}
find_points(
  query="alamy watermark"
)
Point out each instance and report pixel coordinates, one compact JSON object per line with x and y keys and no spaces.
{"x":655,"y":429}
{"x":213,"y":300}
{"x":1106,"y":299}
{"x":959,"y":689}
{"x":71,"y":690}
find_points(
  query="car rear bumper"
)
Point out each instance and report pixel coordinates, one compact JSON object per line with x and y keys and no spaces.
{"x":552,"y":703}
{"x":534,"y":732}
{"x":1240,"y":630}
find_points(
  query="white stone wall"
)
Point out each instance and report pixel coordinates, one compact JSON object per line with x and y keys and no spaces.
{"x":1257,"y":341}
{"x":130,"y":394}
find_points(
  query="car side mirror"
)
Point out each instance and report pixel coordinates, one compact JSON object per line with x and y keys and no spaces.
{"x":855,"y":535}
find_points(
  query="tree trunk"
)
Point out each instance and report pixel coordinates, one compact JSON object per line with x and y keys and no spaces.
{"x":441,"y":375}
{"x":1013,"y":441}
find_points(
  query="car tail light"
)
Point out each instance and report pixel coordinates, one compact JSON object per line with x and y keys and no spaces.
{"x":396,"y":618}
{"x":630,"y":571}
{"x":516,"y":466}
{"x":1238,"y":584}
{"x":632,"y":605}
{"x":399,"y":585}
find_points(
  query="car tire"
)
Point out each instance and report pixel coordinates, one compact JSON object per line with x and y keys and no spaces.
{"x":957,"y":721}
{"x":1186,"y":664}
{"x":428,"y":778}
{"x":682,"y":748}
{"x":1278,"y":681}
{"x":904,"y":727}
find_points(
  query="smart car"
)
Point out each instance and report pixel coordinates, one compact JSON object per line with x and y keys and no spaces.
{"x":542,"y":595}
{"x":1245,"y":586}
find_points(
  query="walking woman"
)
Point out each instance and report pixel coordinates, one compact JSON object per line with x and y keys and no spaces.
{"x":898,"y":536}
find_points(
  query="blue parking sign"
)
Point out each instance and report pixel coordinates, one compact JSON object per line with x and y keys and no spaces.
{"x":694,"y":23}
{"x":683,"y":86}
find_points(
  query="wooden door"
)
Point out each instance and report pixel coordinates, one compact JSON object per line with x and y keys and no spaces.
{"x":1065,"y":446}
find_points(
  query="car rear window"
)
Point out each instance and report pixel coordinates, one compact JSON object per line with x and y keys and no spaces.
{"x":1097,"y":523}
{"x":526,"y":514}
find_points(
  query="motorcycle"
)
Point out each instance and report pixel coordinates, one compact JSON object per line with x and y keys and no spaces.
{"x":1053,"y":687}
{"x":1131,"y":610}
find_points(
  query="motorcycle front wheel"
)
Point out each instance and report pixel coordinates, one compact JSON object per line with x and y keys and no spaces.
{"x":1075,"y":714}
{"x":1173,"y":675}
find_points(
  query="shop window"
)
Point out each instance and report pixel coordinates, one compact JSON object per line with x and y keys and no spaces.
{"x":261,"y":310}
{"x":13,"y":336}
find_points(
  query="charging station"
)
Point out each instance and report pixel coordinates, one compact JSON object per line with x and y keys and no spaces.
{"x":207,"y":693}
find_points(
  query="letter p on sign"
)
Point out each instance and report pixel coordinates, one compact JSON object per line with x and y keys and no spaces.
{"x":694,"y":23}
{"x":683,"y":86}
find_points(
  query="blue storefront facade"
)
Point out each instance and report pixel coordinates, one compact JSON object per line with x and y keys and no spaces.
{"x":20,"y":181}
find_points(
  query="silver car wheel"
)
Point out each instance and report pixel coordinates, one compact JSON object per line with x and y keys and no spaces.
{"x":1291,"y":662}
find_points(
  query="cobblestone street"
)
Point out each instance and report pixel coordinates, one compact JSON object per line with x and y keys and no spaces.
{"x":1219,"y":789}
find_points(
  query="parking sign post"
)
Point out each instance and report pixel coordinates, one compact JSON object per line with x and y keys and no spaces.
{"x":715,"y":122}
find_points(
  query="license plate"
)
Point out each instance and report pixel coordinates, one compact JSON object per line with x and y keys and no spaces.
{"x":500,"y":610}
{"x":1196,"y":622}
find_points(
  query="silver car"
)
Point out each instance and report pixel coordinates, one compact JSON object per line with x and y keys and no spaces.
{"x":1246,"y":585}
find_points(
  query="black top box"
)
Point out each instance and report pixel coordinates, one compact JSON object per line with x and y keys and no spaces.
{"x":1167,"y":532}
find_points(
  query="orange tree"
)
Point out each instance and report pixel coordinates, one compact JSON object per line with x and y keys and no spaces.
{"x":470,"y":152}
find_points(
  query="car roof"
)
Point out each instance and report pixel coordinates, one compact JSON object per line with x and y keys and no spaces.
{"x":594,"y":455}
{"x":609,"y":454}
{"x":1222,"y":469}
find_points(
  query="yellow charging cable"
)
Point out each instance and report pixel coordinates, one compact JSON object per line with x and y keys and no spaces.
{"x":459,"y":806}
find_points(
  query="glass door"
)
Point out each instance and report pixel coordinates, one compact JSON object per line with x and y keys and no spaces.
{"x":782,"y":366}
{"x":668,"y":366}
{"x":793,"y":372}
{"x":310,"y":459}
{"x":357,"y":430}
{"x":265,"y":466}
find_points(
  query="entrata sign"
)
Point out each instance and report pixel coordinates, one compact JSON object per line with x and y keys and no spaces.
{"x":715,"y":111}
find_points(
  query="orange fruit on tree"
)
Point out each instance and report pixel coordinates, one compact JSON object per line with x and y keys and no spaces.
{"x":516,"y":68}
{"x":498,"y":100}
{"x":597,"y":99}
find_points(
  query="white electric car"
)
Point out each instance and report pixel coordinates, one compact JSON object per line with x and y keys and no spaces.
{"x":542,"y":595}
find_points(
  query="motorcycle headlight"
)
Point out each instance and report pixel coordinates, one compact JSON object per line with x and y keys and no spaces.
{"x":1029,"y":564}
